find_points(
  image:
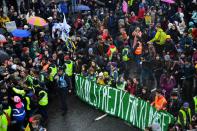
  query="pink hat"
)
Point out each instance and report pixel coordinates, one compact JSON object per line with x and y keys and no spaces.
{"x":17,"y":99}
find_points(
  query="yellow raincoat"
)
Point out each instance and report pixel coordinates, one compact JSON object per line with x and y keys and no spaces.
{"x":160,"y":37}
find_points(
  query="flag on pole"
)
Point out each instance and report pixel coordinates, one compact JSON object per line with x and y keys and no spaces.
{"x":65,"y":30}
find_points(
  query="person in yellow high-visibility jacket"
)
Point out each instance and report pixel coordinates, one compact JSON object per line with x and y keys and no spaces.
{"x":43,"y":102}
{"x":185,"y":117}
{"x":3,"y":120}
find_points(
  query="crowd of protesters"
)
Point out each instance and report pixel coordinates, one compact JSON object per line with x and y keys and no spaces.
{"x":112,"y":44}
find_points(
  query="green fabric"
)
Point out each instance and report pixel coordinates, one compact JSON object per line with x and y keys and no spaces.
{"x":121,"y":86}
{"x":121,"y":104}
{"x":160,"y":37}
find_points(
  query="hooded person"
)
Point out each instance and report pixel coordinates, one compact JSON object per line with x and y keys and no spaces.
{"x":159,"y":38}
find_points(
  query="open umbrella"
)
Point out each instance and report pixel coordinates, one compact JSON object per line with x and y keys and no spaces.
{"x":82,"y":8}
{"x":2,"y":39}
{"x":168,"y":1}
{"x":37,"y":21}
{"x":3,"y":56}
{"x":21,"y":33}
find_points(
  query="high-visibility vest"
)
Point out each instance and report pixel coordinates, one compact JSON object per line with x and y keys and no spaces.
{"x":125,"y":56}
{"x":53,"y":73}
{"x":8,"y":111}
{"x":27,"y":128}
{"x":44,"y":100}
{"x":42,"y":77}
{"x":184,"y":116}
{"x":138,"y":50}
{"x":69,"y":69}
{"x":160,"y":103}
{"x":195,"y":104}
{"x":28,"y":103}
{"x":30,"y":79}
{"x":3,"y":122}
{"x":18,"y":91}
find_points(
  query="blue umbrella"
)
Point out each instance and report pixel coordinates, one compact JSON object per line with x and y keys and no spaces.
{"x":82,"y":8}
{"x":21,"y":33}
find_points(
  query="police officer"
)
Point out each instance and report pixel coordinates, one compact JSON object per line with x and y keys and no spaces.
{"x":184,"y":117}
{"x":68,"y":68}
{"x":43,"y":102}
{"x":63,"y":88}
{"x":52,"y":71}
{"x":3,"y":120}
{"x":125,"y":54}
{"x":125,"y":57}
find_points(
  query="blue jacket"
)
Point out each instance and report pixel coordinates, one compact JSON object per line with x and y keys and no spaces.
{"x":19,"y":114}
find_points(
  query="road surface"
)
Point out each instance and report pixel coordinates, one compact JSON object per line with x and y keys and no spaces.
{"x":80,"y":117}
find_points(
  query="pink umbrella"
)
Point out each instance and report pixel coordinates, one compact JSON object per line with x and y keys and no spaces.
{"x":124,"y":6}
{"x":168,"y":1}
{"x":37,"y":21}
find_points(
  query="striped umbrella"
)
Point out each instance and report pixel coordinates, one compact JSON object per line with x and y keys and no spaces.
{"x":37,"y":21}
{"x":2,"y":39}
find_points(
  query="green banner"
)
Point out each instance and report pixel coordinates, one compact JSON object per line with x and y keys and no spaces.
{"x":121,"y":104}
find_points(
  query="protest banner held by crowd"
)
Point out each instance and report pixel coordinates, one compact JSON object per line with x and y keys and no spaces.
{"x":147,"y":48}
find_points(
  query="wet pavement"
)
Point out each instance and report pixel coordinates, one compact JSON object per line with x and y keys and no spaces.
{"x":80,"y":117}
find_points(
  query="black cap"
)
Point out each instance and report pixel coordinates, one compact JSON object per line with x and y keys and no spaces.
{"x":159,"y":91}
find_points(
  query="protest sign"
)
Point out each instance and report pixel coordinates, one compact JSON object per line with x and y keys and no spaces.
{"x":148,"y":19}
{"x":10,"y":26}
{"x":121,"y":104}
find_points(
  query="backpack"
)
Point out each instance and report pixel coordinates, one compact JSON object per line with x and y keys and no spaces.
{"x":62,"y":82}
